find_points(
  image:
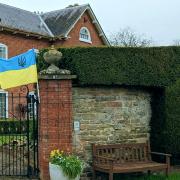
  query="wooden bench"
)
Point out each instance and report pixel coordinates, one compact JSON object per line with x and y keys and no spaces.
{"x":125,"y":158}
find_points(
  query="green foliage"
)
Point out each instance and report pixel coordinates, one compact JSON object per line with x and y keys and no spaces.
{"x":172,"y":128}
{"x":157,"y":67}
{"x":7,"y":139}
{"x":71,"y":165}
{"x":11,"y":126}
{"x":157,"y":123}
{"x":117,"y":66}
{"x":165,"y":123}
{"x":41,"y":63}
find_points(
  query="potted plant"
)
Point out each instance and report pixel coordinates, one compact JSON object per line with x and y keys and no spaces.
{"x":63,"y":166}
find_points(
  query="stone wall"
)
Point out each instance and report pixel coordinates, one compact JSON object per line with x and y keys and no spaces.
{"x":109,"y":115}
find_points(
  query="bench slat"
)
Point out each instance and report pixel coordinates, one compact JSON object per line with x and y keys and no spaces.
{"x":114,"y":158}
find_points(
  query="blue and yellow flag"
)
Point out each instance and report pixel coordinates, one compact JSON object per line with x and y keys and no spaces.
{"x":18,"y":70}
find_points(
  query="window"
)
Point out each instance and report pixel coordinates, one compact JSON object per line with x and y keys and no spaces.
{"x":3,"y":51}
{"x":85,"y":35}
{"x":3,"y":104}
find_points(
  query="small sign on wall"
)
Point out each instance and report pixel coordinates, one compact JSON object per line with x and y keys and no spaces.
{"x":76,"y":126}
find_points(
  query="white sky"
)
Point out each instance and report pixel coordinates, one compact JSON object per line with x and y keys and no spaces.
{"x":156,"y":19}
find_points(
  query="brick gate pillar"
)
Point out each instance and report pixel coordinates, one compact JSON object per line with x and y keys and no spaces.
{"x":55,"y":117}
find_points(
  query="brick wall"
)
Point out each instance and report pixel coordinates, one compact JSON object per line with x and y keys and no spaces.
{"x":109,"y":115}
{"x":74,"y":34}
{"x":18,"y":44}
{"x":55,"y":120}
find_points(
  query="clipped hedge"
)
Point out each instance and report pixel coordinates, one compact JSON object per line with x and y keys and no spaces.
{"x":129,"y":66}
{"x":151,"y":67}
{"x":9,"y":126}
{"x":172,"y":128}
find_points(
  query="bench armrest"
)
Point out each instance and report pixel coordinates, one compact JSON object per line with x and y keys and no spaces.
{"x":161,"y":154}
{"x":167,"y":158}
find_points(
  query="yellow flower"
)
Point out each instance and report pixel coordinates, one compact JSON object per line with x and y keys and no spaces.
{"x":55,"y":153}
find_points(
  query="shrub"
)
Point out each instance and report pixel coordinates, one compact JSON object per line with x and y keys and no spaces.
{"x":117,"y":66}
{"x":172,"y":109}
{"x":10,"y":126}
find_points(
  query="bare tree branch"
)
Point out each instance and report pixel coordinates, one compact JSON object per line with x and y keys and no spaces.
{"x":128,"y":38}
{"x":176,"y":42}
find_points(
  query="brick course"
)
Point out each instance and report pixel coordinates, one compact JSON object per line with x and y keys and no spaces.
{"x":74,"y":34}
{"x":55,"y":120}
{"x":18,"y":44}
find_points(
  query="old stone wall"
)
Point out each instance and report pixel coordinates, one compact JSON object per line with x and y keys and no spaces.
{"x":109,"y":115}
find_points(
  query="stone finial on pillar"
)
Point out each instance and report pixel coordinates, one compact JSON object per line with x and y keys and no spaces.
{"x":52,"y":57}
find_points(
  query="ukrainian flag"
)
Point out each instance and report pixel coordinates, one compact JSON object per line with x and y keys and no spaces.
{"x":18,"y":70}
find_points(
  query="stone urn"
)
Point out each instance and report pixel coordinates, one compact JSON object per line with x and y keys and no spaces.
{"x":52,"y":57}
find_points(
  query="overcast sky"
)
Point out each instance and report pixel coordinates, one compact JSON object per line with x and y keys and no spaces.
{"x":156,"y":19}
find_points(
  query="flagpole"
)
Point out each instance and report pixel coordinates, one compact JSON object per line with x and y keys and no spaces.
{"x":37,"y":84}
{"x":38,"y":94}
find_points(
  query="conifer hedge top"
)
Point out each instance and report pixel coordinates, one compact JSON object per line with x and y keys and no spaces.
{"x":157,"y":66}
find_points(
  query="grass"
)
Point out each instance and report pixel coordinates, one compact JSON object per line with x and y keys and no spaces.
{"x":6,"y":139}
{"x":173,"y":176}
{"x":140,"y":176}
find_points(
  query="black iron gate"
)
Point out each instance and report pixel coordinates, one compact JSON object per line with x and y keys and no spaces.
{"x":18,"y":134}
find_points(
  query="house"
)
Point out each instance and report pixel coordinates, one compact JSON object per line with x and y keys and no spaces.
{"x":21,"y":30}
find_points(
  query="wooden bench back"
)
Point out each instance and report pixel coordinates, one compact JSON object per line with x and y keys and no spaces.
{"x":124,"y":153}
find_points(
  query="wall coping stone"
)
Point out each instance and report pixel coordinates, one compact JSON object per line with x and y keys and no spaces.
{"x":56,"y":76}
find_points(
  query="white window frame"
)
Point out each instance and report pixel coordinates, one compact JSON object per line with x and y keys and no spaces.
{"x":5,"y":92}
{"x":89,"y":35}
{"x":6,"y":50}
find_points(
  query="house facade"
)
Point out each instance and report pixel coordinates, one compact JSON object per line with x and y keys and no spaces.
{"x":21,"y":30}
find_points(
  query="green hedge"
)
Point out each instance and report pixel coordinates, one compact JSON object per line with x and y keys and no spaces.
{"x":9,"y":126}
{"x":172,"y":128}
{"x":129,"y":66}
{"x":151,"y":67}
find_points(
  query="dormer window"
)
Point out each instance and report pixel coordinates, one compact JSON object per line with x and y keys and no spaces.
{"x":3,"y":51}
{"x":85,"y":35}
